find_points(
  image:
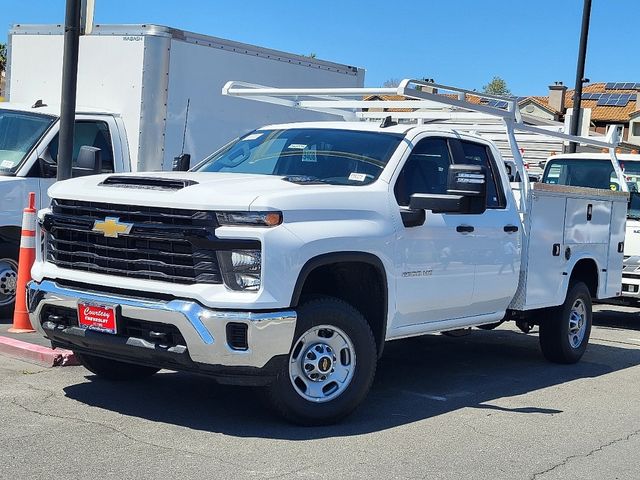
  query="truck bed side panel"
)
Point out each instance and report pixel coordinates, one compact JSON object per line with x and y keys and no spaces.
{"x":544,"y":269}
{"x":615,"y":258}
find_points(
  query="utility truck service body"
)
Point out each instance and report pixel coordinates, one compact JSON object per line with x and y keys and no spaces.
{"x":597,"y":170}
{"x":289,"y":257}
{"x":145,"y":95}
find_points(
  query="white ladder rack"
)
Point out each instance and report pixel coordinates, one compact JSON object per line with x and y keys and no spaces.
{"x":353,"y":104}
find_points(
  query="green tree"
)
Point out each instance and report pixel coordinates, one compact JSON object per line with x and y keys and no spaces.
{"x":497,"y":86}
{"x":391,"y":83}
{"x":3,"y":57}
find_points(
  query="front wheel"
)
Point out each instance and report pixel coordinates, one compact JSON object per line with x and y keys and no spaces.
{"x":330,"y":367}
{"x":8,"y":278}
{"x":564,"y":334}
{"x":113,"y":369}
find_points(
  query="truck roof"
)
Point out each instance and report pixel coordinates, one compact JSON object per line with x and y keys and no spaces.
{"x":596,"y":156}
{"x":375,"y":127}
{"x":53,"y":109}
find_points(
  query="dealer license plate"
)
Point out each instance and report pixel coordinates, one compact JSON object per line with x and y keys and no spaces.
{"x":97,"y":317}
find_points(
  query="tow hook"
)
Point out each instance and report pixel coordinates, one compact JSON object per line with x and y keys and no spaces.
{"x":524,"y":325}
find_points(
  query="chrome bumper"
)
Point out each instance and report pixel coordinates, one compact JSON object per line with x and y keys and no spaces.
{"x":268,"y":333}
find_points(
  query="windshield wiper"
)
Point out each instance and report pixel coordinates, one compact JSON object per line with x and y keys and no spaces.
{"x":304,"y":180}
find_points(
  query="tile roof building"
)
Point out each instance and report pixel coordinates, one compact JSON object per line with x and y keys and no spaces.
{"x":604,"y":104}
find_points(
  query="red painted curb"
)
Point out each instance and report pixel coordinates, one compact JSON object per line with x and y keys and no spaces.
{"x":30,"y":352}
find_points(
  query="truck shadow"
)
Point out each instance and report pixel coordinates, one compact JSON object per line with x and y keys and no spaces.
{"x":416,"y":379}
{"x":612,"y":316}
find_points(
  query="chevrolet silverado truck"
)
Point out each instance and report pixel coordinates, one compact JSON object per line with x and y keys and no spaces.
{"x":289,"y":257}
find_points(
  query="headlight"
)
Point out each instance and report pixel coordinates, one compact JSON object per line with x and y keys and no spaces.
{"x":264,"y":219}
{"x":241,"y":269}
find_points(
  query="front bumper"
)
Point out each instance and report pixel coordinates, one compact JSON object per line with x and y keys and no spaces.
{"x":203,"y":331}
{"x":631,"y":287}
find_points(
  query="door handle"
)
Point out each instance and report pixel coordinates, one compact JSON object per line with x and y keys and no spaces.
{"x":510,"y":228}
{"x":464,"y":229}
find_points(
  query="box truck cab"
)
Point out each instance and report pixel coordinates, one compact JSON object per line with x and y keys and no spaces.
{"x":145,"y":95}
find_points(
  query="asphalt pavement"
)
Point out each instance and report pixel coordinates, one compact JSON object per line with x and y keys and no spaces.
{"x":481,"y":406}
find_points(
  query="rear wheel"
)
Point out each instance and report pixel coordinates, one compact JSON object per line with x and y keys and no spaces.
{"x":564,"y":334}
{"x":330,"y":367}
{"x":113,"y":369}
{"x":8,"y":278}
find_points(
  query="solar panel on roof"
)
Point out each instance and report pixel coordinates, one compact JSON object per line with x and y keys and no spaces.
{"x":622,"y":85}
{"x":614,"y":99}
{"x":497,"y":103}
{"x":591,"y":96}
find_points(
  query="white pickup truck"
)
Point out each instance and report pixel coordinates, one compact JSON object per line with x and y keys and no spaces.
{"x":146,"y":94}
{"x":596,"y":170}
{"x":289,"y":257}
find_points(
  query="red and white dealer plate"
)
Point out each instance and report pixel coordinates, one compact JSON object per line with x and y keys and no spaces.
{"x":97,"y":317}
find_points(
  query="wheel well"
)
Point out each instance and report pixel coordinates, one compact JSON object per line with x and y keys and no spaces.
{"x":362,"y":284}
{"x":586,"y":271}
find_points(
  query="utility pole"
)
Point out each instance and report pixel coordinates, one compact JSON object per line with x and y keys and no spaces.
{"x":577,"y":92}
{"x":69,"y":84}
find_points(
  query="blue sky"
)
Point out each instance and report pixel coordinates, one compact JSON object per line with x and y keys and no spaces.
{"x":529,"y":43}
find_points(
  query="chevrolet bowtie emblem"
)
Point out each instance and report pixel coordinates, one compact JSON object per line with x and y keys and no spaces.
{"x":111,"y":227}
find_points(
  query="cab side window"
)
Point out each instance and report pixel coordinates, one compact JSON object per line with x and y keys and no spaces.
{"x":92,"y":134}
{"x":425,"y":171}
{"x":478,"y":154}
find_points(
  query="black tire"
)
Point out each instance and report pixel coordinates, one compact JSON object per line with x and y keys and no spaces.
{"x":284,"y":392}
{"x":113,"y":369}
{"x":555,"y":340}
{"x":8,"y":257}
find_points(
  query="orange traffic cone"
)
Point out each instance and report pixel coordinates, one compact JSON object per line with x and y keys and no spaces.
{"x":21,"y":323}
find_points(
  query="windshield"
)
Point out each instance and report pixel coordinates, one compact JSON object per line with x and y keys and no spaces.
{"x":19,"y":132}
{"x":591,"y":173}
{"x":596,"y":174}
{"x":308,"y":155}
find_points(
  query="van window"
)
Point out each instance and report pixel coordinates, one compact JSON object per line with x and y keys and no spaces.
{"x":92,"y":134}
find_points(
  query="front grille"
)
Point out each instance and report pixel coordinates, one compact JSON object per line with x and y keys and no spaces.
{"x":165,"y":244}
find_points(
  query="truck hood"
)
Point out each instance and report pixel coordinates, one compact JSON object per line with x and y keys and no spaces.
{"x":188,"y":190}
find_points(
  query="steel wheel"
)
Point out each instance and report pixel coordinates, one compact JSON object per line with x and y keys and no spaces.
{"x":577,"y":323}
{"x":8,"y":281}
{"x":322,"y":363}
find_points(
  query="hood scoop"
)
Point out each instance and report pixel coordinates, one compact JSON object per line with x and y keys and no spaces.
{"x":147,"y":183}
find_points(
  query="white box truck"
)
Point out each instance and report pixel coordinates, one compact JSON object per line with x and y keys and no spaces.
{"x":146,"y":93}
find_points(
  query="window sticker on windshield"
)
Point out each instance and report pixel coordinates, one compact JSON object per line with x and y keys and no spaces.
{"x":357,"y":177}
{"x":6,"y":164}
{"x":309,"y":155}
{"x":253,"y":136}
{"x":297,"y":146}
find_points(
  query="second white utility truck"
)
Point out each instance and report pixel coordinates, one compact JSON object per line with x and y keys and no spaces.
{"x":289,"y":257}
{"x":146,"y":94}
{"x":600,"y":170}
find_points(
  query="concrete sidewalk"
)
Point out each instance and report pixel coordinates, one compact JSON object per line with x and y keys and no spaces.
{"x":33,"y":348}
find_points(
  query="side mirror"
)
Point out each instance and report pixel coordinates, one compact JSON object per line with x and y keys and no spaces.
{"x":466,"y":192}
{"x":181,"y":163}
{"x":89,"y":162}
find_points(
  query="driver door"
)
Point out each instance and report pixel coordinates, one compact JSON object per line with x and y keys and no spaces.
{"x":434,"y":263}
